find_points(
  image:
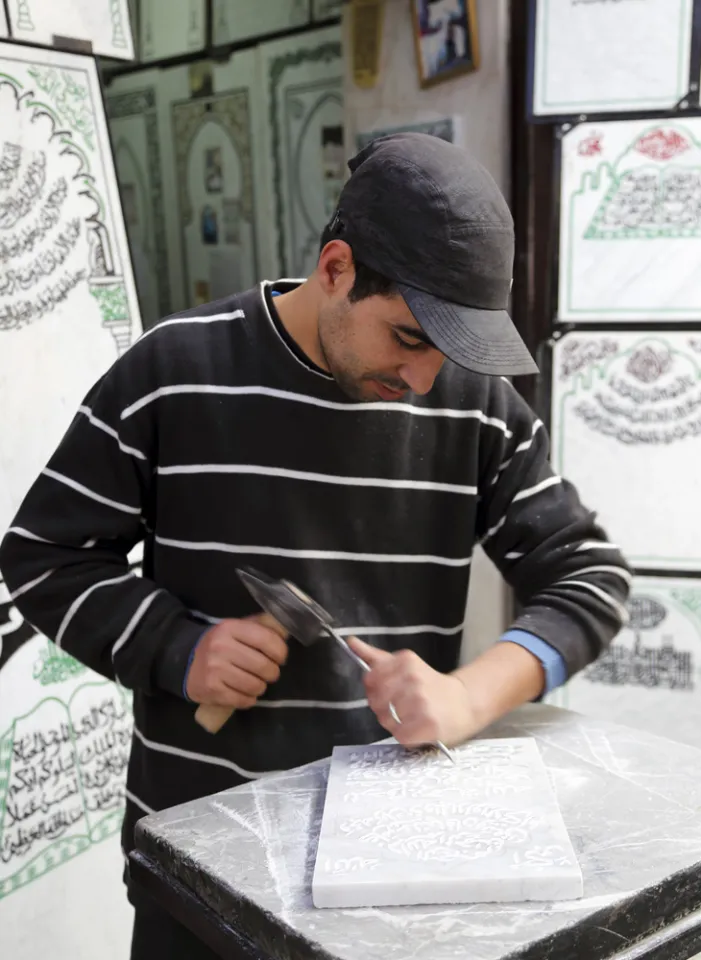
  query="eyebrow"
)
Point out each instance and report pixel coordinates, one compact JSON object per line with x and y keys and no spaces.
{"x":416,"y":333}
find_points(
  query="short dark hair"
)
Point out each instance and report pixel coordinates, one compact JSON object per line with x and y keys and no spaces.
{"x":368,"y":282}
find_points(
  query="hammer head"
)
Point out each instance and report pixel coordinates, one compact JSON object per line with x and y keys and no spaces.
{"x":301,"y":616}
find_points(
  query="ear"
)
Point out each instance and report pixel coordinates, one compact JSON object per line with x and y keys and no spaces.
{"x":335,"y":269}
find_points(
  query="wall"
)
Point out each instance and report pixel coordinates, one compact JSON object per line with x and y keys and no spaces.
{"x":64,"y":731}
{"x":478,"y":104}
{"x":479,"y":101}
{"x":243,"y":182}
{"x":187,"y":129}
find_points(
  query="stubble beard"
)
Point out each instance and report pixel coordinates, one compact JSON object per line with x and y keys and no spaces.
{"x":351,"y":378}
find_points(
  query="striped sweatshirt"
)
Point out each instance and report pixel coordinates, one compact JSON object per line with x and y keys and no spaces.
{"x":218,"y":444}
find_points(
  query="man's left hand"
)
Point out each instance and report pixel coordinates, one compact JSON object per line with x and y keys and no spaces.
{"x":431,"y":705}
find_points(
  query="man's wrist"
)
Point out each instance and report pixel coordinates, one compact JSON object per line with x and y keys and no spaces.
{"x":173,"y":664}
{"x":552,"y":661}
{"x":471,"y":714}
{"x":479,"y":705}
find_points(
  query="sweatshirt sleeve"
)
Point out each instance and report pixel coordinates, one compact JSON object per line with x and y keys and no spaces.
{"x":570,"y":581}
{"x":64,"y":559}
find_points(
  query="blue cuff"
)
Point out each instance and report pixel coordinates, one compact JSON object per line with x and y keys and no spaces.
{"x":553,"y":663}
{"x":189,"y":663}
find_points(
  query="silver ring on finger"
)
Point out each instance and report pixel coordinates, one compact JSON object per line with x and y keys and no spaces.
{"x":394,"y":714}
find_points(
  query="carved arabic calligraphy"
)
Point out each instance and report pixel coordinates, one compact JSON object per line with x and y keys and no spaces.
{"x":30,"y":235}
{"x":578,"y":355}
{"x":53,"y":235}
{"x":19,"y":203}
{"x":62,"y":762}
{"x":648,"y":395}
{"x":381,"y":775}
{"x":70,"y":99}
{"x":9,"y":164}
{"x":411,"y":827}
{"x":442,"y":832}
{"x":654,"y":200}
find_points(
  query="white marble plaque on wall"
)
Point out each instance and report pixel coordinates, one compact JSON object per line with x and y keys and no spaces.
{"x":105,"y":23}
{"x":601,"y":57}
{"x":212,"y":143}
{"x":236,"y":20}
{"x":65,"y":738}
{"x":630,"y":221}
{"x":303,"y":83}
{"x":133,"y":121}
{"x":68,"y":309}
{"x":650,"y":678}
{"x":68,"y":304}
{"x":212,"y":152}
{"x":171,"y":27}
{"x":626,"y":430}
{"x":403,"y":828}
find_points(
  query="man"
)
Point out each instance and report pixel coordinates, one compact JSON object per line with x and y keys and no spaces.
{"x":316,"y":430}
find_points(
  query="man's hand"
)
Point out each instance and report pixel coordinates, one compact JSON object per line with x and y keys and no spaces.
{"x":448,"y":707}
{"x":431,"y":705}
{"x":236,"y":661}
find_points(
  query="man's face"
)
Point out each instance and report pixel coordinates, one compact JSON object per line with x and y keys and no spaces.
{"x":375,"y":349}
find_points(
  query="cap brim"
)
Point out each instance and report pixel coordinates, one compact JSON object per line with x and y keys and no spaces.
{"x":484,"y":341}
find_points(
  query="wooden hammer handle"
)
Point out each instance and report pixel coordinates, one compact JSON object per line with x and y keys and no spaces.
{"x":212,"y":717}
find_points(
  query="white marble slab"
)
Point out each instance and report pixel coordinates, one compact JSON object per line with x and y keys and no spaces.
{"x":171,"y":27}
{"x":236,"y":20}
{"x":133,"y":118}
{"x":105,"y":23}
{"x":68,"y":301}
{"x":626,"y":421}
{"x":650,"y":677}
{"x":302,"y":81}
{"x":630,"y":224}
{"x":403,"y":828}
{"x":213,"y":149}
{"x":610,"y":57}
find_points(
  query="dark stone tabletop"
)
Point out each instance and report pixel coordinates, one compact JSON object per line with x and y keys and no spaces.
{"x":631,"y":803}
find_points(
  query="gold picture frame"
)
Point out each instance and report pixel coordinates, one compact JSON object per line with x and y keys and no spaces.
{"x":446,"y":39}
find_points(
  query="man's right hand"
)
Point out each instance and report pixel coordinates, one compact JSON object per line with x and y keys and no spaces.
{"x":236,"y":660}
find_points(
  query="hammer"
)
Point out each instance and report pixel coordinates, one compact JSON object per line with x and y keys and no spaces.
{"x":290,"y":612}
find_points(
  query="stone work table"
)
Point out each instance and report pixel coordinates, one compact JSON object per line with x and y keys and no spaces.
{"x":237,"y":867}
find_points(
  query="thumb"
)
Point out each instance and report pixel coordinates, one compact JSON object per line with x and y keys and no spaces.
{"x":371,"y":655}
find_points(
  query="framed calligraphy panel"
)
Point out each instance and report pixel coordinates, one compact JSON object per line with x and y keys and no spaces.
{"x":626,"y":422}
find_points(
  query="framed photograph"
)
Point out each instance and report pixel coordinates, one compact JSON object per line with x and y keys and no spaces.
{"x":213,"y":170}
{"x":201,"y":79}
{"x":445,"y":33}
{"x":209,"y":226}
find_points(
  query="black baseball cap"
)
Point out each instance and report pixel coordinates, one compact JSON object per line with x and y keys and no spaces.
{"x":424,"y":213}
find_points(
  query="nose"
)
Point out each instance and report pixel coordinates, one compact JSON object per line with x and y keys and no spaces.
{"x":420,"y":374}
